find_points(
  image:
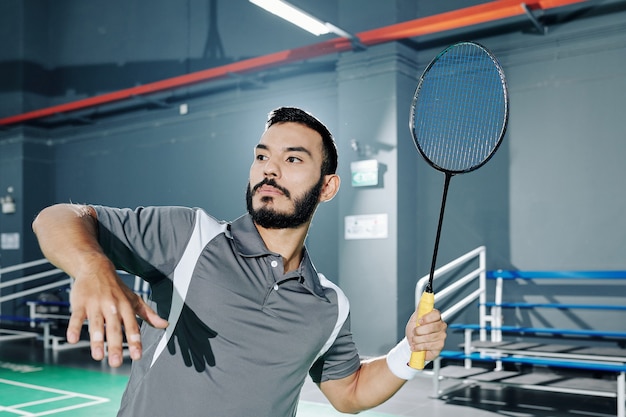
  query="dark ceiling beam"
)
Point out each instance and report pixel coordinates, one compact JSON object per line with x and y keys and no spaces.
{"x":466,"y":17}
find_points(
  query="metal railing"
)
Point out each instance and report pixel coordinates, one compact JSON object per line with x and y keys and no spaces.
{"x":30,"y":279}
{"x":34,"y":285}
{"x":477,"y":277}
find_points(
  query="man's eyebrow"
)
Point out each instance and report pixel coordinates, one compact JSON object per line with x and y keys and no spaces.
{"x":298,"y":149}
{"x":288,"y":149}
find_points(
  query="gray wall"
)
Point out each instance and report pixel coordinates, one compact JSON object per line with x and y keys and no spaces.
{"x":549,"y":199}
{"x":200,"y":159}
{"x":567,"y":151}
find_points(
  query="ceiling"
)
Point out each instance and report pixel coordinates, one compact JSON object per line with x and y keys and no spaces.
{"x":124,"y":54}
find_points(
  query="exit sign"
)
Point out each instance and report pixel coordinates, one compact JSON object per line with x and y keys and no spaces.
{"x":364,"y":173}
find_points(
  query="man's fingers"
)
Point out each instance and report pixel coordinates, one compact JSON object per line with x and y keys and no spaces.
{"x":141,"y":309}
{"x":134,"y":345}
{"x":430,"y":335}
{"x":96,"y":336}
{"x":111,"y":309}
{"x":133,"y":337}
{"x":75,"y":325}
{"x":114,"y":336}
{"x":149,"y":315}
{"x":430,"y":317}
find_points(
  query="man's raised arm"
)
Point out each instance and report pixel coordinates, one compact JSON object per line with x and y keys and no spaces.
{"x":67,"y":235}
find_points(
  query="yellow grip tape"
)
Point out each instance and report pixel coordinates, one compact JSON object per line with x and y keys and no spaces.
{"x":426,"y":305}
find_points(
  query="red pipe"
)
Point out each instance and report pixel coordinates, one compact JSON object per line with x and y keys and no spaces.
{"x":483,"y":13}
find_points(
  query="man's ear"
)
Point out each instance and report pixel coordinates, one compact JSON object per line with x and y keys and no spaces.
{"x":330,"y":187}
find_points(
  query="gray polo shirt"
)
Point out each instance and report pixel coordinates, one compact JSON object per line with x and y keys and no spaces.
{"x":242,"y":334}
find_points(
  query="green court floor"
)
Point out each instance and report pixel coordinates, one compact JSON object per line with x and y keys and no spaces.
{"x":48,"y":390}
{"x":32,"y":390}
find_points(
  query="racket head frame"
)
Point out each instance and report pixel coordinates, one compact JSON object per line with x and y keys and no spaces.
{"x":504,"y":105}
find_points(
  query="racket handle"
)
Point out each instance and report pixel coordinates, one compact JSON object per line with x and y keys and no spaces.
{"x":426,"y":305}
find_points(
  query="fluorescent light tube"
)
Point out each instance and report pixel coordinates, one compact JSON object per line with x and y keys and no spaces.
{"x":293,"y":15}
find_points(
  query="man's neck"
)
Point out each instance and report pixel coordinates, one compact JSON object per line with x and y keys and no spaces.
{"x":287,"y":242}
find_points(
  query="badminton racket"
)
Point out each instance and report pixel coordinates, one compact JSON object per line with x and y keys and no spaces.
{"x":458,"y":118}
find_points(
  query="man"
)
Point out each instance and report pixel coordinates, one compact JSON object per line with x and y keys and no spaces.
{"x":241,"y":313}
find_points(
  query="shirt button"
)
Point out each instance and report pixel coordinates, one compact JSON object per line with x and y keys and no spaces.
{"x":275,"y":287}
{"x":274,"y":264}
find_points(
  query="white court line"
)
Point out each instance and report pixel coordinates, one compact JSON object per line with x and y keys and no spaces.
{"x":46,"y":400}
{"x":15,"y":409}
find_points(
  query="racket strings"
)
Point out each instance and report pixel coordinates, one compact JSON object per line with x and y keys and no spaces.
{"x":460,"y":112}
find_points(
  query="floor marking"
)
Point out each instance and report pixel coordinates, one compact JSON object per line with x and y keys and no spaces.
{"x":91,"y":400}
{"x":16,"y":367}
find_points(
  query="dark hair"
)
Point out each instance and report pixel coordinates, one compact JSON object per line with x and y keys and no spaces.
{"x":295,"y":115}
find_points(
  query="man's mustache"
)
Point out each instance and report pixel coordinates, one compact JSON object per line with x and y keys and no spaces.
{"x":272,"y":183}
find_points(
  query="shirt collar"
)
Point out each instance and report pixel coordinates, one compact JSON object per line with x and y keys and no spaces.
{"x":247,"y":238}
{"x":249,"y":243}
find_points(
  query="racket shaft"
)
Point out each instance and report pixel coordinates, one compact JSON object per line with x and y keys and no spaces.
{"x":426,"y":305}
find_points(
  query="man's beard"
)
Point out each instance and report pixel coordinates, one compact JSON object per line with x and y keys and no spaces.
{"x":304,"y":207}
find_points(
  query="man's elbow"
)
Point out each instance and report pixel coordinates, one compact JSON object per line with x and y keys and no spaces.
{"x":346,"y":409}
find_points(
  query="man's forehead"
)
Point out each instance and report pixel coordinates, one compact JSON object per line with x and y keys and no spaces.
{"x":290,"y":136}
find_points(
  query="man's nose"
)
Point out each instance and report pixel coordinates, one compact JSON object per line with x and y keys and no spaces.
{"x":271,"y":168}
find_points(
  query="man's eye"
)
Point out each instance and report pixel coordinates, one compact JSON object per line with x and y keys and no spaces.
{"x":293,"y":159}
{"x":261,"y":157}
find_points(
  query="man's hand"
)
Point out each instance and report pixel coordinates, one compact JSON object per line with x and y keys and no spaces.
{"x":67,"y":235}
{"x":111,"y":309}
{"x":429,"y":335}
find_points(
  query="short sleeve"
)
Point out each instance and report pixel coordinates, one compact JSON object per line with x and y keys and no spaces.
{"x":340,"y":360}
{"x":146,"y":241}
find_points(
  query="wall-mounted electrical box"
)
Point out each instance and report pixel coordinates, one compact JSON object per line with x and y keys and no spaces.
{"x":367,"y":226}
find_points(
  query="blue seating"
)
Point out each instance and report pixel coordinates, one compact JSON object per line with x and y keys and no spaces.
{"x":523,"y":348}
